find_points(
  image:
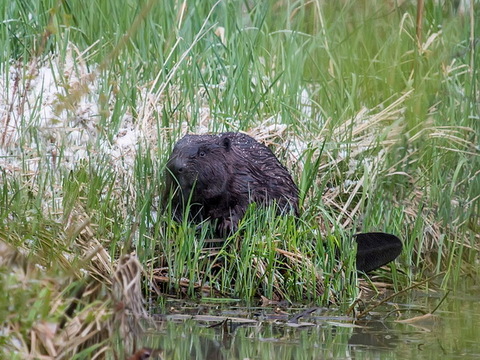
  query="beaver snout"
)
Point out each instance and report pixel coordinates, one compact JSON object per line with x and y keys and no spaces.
{"x":176,"y":166}
{"x":182,"y":173}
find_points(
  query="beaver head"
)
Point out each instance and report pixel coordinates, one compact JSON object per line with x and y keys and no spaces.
{"x":199,"y":162}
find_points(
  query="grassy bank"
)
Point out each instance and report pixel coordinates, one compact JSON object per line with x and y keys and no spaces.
{"x":380,"y":132}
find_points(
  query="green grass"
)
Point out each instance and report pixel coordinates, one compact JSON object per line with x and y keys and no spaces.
{"x":379,"y":134}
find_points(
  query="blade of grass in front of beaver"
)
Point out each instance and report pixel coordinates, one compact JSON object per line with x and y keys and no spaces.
{"x":310,"y":171}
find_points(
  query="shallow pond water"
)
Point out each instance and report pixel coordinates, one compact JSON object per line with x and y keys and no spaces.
{"x":399,"y":330}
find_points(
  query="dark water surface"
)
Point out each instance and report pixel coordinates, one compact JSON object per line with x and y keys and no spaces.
{"x":400,"y":330}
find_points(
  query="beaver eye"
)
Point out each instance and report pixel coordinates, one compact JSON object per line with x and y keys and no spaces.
{"x":201,"y":153}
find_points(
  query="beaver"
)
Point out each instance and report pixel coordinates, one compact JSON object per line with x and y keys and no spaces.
{"x":219,"y":175}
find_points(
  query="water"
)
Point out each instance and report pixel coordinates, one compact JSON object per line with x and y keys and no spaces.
{"x":401,"y":330}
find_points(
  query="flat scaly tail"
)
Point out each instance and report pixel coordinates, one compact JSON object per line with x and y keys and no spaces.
{"x":376,"y":249}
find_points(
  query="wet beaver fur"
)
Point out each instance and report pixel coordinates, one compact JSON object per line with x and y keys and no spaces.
{"x":220,"y":175}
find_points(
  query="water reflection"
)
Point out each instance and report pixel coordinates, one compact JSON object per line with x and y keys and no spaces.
{"x":206,"y":348}
{"x":409,"y":332}
{"x":373,"y":334}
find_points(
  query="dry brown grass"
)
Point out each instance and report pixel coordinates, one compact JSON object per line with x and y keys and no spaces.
{"x":104,"y":304}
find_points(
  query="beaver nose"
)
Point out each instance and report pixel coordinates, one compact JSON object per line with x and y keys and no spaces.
{"x":176,"y":166}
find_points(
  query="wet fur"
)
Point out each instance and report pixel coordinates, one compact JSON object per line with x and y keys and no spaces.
{"x":222,"y":174}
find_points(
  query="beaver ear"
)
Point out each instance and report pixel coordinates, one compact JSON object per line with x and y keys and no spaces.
{"x":226,"y":143}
